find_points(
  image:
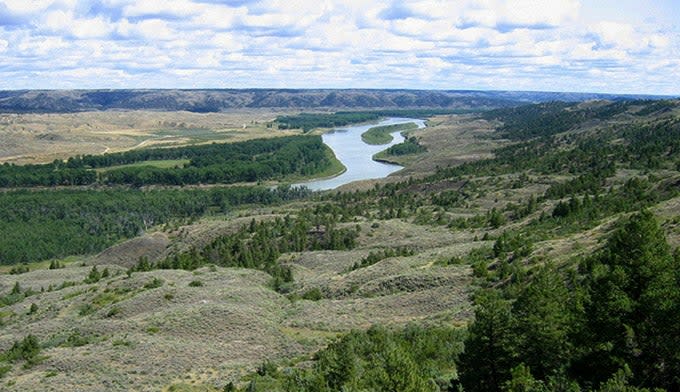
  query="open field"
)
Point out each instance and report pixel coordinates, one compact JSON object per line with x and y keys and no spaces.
{"x":41,"y":138}
{"x":161,"y":164}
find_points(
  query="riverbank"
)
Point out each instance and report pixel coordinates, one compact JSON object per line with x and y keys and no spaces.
{"x":384,"y":134}
{"x":357,"y":156}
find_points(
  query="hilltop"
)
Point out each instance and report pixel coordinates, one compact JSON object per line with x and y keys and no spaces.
{"x":218,"y":100}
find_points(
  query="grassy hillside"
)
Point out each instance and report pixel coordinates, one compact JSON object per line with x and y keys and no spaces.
{"x":526,"y":249}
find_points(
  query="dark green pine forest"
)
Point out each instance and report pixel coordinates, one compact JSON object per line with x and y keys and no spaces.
{"x":224,"y":163}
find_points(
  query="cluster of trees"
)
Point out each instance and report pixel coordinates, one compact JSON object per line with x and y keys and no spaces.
{"x":615,"y":322}
{"x":577,"y":212}
{"x":309,"y":121}
{"x":259,"y":245}
{"x":545,"y":119}
{"x":199,"y":155}
{"x":16,"y":295}
{"x":39,"y":225}
{"x":414,"y":359}
{"x":27,"y":349}
{"x":305,"y":155}
{"x":650,"y":145}
{"x":408,"y":146}
{"x":53,"y":174}
{"x":248,"y":161}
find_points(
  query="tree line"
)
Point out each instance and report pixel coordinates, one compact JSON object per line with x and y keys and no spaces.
{"x":249,"y":161}
{"x":309,"y":121}
{"x":259,"y":245}
{"x":39,"y":225}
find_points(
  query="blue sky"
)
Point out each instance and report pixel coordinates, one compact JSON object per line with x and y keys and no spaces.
{"x":618,"y":46}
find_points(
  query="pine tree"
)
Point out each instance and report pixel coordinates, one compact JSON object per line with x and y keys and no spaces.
{"x":543,"y":320}
{"x":633,"y":306}
{"x":94,"y":276}
{"x":489,"y":350}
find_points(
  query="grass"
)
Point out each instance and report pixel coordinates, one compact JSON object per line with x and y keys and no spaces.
{"x":161,"y":164}
{"x":43,"y":265}
{"x":101,"y":132}
{"x":182,"y":387}
{"x":307,"y":335}
{"x":381,"y":135}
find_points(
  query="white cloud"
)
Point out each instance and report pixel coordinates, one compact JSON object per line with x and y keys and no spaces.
{"x":149,"y":29}
{"x":40,"y":46}
{"x":35,"y":6}
{"x":219,"y":17}
{"x":227,"y":41}
{"x":353,"y":43}
{"x":66,"y":22}
{"x":180,"y":8}
{"x":492,"y":13}
{"x":538,"y":12}
{"x":624,"y":36}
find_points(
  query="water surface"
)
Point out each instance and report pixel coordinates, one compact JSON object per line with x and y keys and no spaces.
{"x":357,"y":156}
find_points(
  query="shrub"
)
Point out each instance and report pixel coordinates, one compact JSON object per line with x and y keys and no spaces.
{"x":196,"y":283}
{"x":155,"y":283}
{"x":313,"y":294}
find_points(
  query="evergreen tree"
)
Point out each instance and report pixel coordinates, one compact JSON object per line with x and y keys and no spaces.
{"x":490,"y":348}
{"x":94,"y":276}
{"x":632,"y":308}
{"x":543,"y":321}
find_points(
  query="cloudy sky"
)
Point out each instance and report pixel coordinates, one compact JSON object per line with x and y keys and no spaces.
{"x":620,"y":46}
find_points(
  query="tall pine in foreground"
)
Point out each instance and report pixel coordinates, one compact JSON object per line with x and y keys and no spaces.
{"x":543,"y":324}
{"x":632,"y":308}
{"x":617,"y":327}
{"x":489,"y":350}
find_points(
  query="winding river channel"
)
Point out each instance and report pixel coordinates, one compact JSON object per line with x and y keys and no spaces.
{"x":357,"y":156}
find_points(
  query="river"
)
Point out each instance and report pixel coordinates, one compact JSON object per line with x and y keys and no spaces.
{"x":357,"y":156}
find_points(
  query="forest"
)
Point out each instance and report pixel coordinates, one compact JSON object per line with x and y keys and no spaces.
{"x":225,"y":163}
{"x":46,"y":224}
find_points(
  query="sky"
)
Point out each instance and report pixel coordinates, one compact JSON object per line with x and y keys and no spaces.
{"x":609,"y":46}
